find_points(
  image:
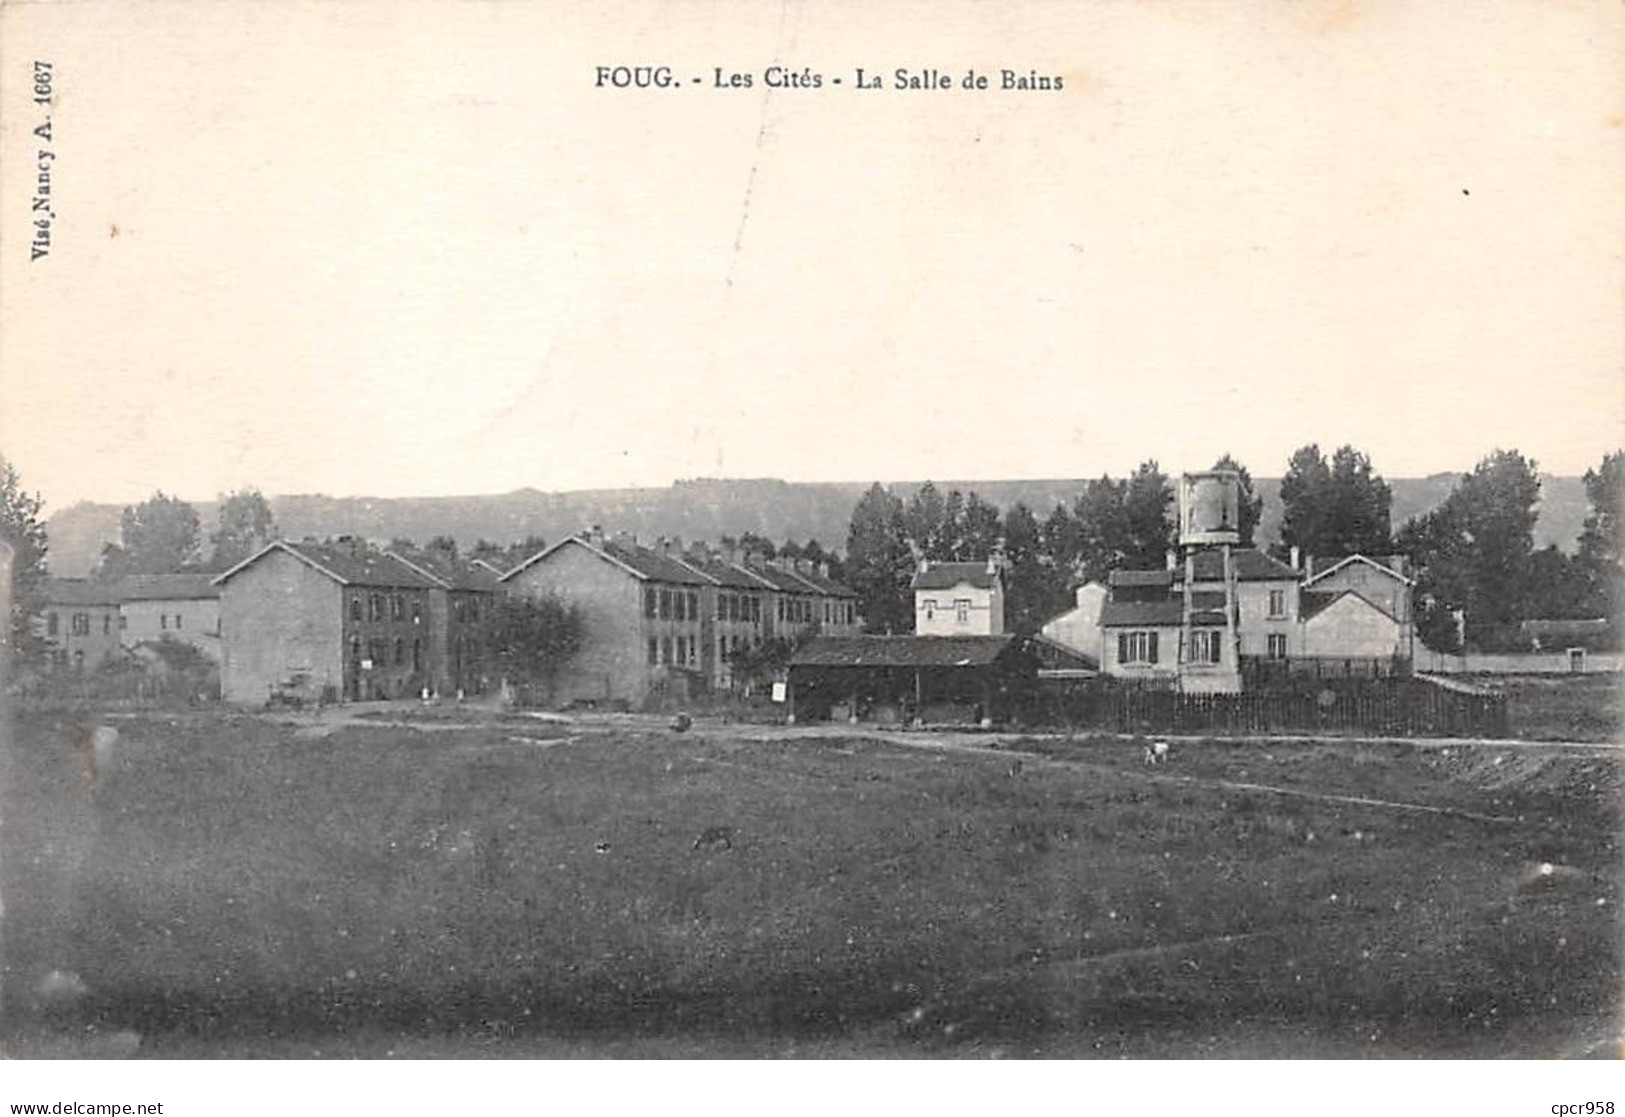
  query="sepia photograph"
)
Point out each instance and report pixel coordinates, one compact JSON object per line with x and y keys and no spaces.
{"x":811,"y":535}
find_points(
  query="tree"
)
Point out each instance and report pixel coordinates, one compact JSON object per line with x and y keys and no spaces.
{"x":879,"y":564}
{"x":979,"y":530}
{"x":1035,"y":587}
{"x":1473,"y":553}
{"x":244,"y":525}
{"x":923,"y":522}
{"x":23,"y":532}
{"x":1148,"y":499}
{"x":1251,"y":505}
{"x":157,"y":536}
{"x":1335,"y":508}
{"x":1100,"y":530}
{"x":445,"y":544}
{"x":1601,"y":557}
{"x":533,"y":638}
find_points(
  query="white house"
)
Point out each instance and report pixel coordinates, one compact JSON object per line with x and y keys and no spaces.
{"x":959,"y":599}
{"x":1079,"y":627}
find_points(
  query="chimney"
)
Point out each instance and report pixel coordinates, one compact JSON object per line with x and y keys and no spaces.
{"x":925,"y":564}
{"x":595,"y":535}
{"x":1297,"y":556}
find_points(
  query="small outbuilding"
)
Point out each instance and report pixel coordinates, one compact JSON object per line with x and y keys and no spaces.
{"x":907,"y":679}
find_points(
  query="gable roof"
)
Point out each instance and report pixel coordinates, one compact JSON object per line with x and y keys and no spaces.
{"x":1143,"y":614}
{"x":80,"y":591}
{"x":947,"y":575}
{"x":1313,"y":604}
{"x":446,"y":569}
{"x":1056,"y":656}
{"x":166,"y":587}
{"x":1140,"y":578}
{"x":825,"y":584}
{"x":348,"y":564}
{"x":1373,"y":563}
{"x":902,"y":651}
{"x":640,"y":562}
{"x":495,"y":571}
{"x":1250,"y":565}
{"x":726,"y":573}
{"x":783,"y":580}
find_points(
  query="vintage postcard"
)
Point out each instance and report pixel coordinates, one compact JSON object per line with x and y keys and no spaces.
{"x":861,"y":531}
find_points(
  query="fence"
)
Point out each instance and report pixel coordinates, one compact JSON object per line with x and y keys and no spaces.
{"x":1384,"y":706}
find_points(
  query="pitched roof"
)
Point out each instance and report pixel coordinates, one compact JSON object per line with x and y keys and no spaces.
{"x":1139,"y":578}
{"x":1055,"y":655}
{"x":347,"y":563}
{"x":1143,"y":614}
{"x":725,"y":573}
{"x":1312,"y":604}
{"x":640,"y":562}
{"x":902,"y":651}
{"x":167,"y":587}
{"x":451,"y":571}
{"x":1373,"y":563}
{"x":783,"y":580}
{"x":1250,"y":565}
{"x":825,"y":584}
{"x":80,"y":591}
{"x":947,"y":575}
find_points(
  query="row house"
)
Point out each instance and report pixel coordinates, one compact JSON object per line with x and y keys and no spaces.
{"x":158,"y":607}
{"x":341,"y":618}
{"x":462,"y":600}
{"x":665,"y":620}
{"x":643,"y":616}
{"x":80,"y":623}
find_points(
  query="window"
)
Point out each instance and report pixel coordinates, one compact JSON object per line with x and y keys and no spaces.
{"x":417,"y":611}
{"x":81,"y":624}
{"x":665,"y":603}
{"x":397,"y":607}
{"x":755,"y":609}
{"x":355,"y":647}
{"x":1207,"y":646}
{"x":107,"y":623}
{"x":1277,"y":603}
{"x":177,"y":622}
{"x":400,"y":652}
{"x":50,"y":624}
{"x":654,"y":652}
{"x":962,"y":610}
{"x":682,"y":649}
{"x":722,"y":606}
{"x":1277,"y":645}
{"x":79,"y":661}
{"x":694,"y":653}
{"x":123,"y":622}
{"x":355,"y":607}
{"x":417,"y":655}
{"x":473,"y":609}
{"x":1136,"y":647}
{"x":377,"y":650}
{"x":163,"y":620}
{"x":665,"y":649}
{"x":930,"y":609}
{"x":649,"y":599}
{"x":693,"y":606}
{"x":781,"y":608}
{"x":375,"y":607}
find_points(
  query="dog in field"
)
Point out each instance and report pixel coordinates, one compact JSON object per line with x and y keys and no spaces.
{"x":1156,"y":752}
{"x":714,"y":837}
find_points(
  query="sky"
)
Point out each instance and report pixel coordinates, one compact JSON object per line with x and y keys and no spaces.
{"x":411,"y":249}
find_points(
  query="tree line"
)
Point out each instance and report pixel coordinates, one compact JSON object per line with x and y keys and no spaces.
{"x":1478,"y":574}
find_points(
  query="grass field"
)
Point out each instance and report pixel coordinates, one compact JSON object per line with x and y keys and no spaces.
{"x":236,"y":886}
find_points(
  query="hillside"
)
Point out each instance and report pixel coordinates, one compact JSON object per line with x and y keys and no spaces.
{"x":699,"y":509}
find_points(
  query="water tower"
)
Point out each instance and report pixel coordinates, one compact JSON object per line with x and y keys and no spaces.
{"x":1209,"y":525}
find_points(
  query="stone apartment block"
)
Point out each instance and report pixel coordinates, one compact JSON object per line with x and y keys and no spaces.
{"x":340,"y":618}
{"x":157,"y":607}
{"x":80,"y":623}
{"x":461,"y":603}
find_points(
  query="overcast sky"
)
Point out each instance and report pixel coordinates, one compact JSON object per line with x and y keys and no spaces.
{"x":410,"y":249}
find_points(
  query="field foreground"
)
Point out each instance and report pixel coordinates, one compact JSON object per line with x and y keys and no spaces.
{"x":237,"y":886}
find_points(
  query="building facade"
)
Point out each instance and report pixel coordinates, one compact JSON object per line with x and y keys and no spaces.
{"x":80,"y":623}
{"x":959,"y":599}
{"x":340,"y":619}
{"x":158,"y":607}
